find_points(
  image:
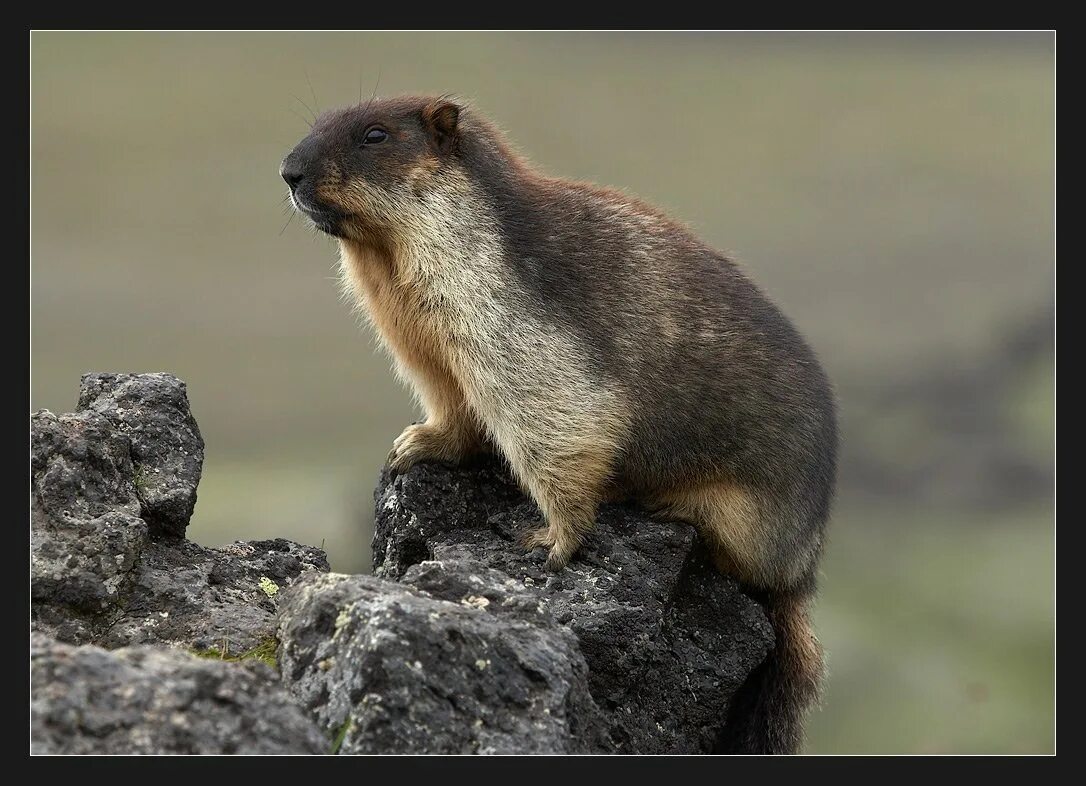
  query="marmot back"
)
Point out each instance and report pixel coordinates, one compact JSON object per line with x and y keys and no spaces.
{"x":599,"y":346}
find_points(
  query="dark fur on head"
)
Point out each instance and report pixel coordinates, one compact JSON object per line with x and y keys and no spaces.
{"x":346,"y":185}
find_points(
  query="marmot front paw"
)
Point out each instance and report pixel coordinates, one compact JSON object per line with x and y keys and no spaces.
{"x":417,"y":443}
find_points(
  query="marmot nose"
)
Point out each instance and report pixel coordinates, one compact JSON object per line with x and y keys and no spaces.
{"x":293,"y":174}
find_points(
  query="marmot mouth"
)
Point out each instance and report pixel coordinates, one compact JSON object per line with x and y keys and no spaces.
{"x":324,"y":217}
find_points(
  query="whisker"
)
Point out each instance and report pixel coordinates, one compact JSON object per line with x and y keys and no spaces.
{"x":303,"y":103}
{"x":374,"y":95}
{"x":284,"y":229}
{"x":301,"y":117}
{"x":313,"y":92}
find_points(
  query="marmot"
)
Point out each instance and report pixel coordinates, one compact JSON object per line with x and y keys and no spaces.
{"x":604,"y":350}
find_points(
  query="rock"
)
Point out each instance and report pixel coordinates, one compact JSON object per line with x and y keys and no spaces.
{"x":201,"y":598}
{"x":167,"y":451}
{"x":104,"y":581}
{"x":459,"y":644}
{"x":113,"y":486}
{"x":666,"y":638}
{"x":385,"y":668}
{"x":81,"y":466}
{"x":81,"y":569}
{"x":154,"y":700}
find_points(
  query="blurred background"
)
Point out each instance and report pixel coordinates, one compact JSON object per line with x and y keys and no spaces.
{"x":894,"y":193}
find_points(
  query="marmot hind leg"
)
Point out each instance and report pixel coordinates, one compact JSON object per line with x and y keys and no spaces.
{"x":568,"y":490}
{"x":732,"y":522}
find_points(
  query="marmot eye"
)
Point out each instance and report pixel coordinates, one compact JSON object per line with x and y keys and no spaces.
{"x":375,"y":136}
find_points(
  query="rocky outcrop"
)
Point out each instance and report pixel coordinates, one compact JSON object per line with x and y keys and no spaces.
{"x":164,"y":442}
{"x":667,"y":640}
{"x":386,"y":668}
{"x":460,"y":643}
{"x":155,"y":700}
{"x":114,"y":485}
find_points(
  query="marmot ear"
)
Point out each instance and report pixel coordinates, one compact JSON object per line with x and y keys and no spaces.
{"x":440,"y":120}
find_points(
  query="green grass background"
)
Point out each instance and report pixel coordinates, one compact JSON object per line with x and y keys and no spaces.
{"x":893,"y":192}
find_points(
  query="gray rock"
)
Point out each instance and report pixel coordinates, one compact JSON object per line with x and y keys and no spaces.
{"x":155,"y":700}
{"x":167,"y":451}
{"x":104,"y":581}
{"x":81,"y":570}
{"x":113,"y":486}
{"x":666,"y":638}
{"x":223,"y":598}
{"x":81,"y":466}
{"x":385,"y":668}
{"x":460,"y":644}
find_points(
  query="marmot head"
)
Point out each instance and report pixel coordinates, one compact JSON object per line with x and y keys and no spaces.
{"x":366,"y":171}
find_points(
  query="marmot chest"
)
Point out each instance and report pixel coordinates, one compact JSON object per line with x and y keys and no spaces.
{"x":409,"y":326}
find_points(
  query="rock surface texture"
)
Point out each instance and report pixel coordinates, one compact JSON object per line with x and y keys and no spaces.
{"x":667,"y":640}
{"x":459,"y":643}
{"x":112,"y":489}
{"x":114,"y":485}
{"x":155,"y":700}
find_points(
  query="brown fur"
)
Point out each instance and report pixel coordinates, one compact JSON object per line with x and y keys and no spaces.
{"x":599,"y":346}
